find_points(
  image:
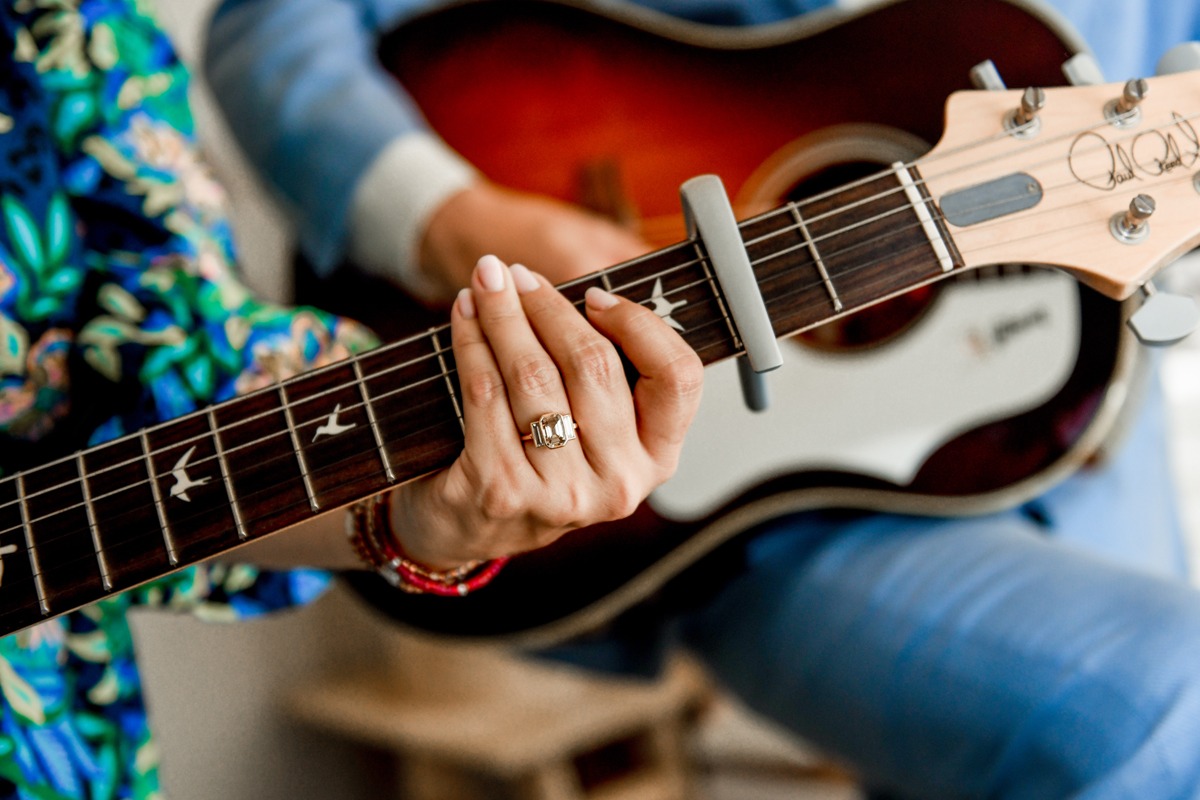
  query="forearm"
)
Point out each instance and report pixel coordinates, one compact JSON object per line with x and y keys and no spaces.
{"x":300,"y":85}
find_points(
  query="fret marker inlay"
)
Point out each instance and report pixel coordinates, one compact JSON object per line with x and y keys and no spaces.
{"x":182,"y":481}
{"x":331,"y":426}
{"x":663,"y":307}
{"x":7,"y":550}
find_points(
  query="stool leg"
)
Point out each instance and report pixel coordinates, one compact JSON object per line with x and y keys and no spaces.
{"x":666,"y":756}
{"x":557,"y":781}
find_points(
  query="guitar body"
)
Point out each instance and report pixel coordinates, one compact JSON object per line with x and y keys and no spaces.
{"x":962,"y":398}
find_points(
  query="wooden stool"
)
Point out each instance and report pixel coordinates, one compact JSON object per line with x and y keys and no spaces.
{"x":469,"y":723}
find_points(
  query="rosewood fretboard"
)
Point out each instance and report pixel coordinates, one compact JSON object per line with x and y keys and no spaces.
{"x":117,"y":515}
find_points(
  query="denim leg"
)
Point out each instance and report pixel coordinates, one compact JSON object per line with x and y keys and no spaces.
{"x":966,"y":658}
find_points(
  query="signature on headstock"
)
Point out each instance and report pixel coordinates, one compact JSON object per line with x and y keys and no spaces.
{"x":1101,"y":164}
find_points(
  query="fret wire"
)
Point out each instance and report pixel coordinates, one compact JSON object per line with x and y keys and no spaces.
{"x":101,"y":559}
{"x":219,"y":448}
{"x":34,"y":564}
{"x":698,"y":261}
{"x":27,"y":529}
{"x":437,"y":348}
{"x":865,"y":180}
{"x":616,"y":268}
{"x":362,"y":390}
{"x":298,"y":450}
{"x":159,"y":508}
{"x":410,"y":339}
{"x":820,"y":263}
{"x":38,"y":574}
{"x":701,"y":350}
{"x":606,"y":282}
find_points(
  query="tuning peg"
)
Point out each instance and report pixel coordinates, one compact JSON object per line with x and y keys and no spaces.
{"x":1180,"y":58}
{"x":1133,"y":225}
{"x":1082,"y":69}
{"x":1023,"y":122}
{"x":1163,"y":318}
{"x":984,"y":75}
{"x":1124,"y":111}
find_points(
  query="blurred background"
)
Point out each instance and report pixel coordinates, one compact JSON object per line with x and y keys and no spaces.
{"x":326,"y":702}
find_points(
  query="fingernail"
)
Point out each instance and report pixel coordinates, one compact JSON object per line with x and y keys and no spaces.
{"x":466,"y":304}
{"x":598,"y":299}
{"x":523,"y":279}
{"x":491,"y":273}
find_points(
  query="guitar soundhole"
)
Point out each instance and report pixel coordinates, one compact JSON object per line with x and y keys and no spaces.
{"x":827,"y":159}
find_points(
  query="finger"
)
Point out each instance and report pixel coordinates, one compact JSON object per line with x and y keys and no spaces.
{"x":596,"y":386}
{"x":671,"y":375}
{"x":487,"y":418}
{"x":531,"y":376}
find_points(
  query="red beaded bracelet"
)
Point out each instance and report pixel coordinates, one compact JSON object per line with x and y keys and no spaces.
{"x":369,"y":527}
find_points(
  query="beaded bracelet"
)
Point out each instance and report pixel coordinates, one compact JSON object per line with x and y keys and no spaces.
{"x":369,"y":528}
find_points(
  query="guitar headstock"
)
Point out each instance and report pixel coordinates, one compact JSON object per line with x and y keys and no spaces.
{"x":1093,"y":179}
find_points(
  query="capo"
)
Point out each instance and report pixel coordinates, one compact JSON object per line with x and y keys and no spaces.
{"x":710,"y":219}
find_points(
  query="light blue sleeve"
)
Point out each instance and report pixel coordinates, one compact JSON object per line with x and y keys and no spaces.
{"x":302,"y":90}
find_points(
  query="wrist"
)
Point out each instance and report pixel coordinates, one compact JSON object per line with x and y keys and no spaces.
{"x":393,"y":203}
{"x":369,"y":528}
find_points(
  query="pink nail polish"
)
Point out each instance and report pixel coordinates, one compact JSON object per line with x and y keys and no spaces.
{"x":598,"y":299}
{"x":523,"y":279}
{"x":491,"y":273}
{"x":466,"y":303}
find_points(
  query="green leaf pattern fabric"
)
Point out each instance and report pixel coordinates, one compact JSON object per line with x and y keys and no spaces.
{"x":119,"y":308}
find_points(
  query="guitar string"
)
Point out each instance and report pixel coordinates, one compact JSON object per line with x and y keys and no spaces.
{"x":927,"y":162}
{"x":90,"y":557}
{"x":440,"y":352}
{"x":841,"y":209}
{"x":643,"y":280}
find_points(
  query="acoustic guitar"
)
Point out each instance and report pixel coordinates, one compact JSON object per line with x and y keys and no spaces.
{"x":1064,"y":185}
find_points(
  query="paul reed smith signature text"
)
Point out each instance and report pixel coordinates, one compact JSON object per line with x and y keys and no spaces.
{"x":1105,"y":165}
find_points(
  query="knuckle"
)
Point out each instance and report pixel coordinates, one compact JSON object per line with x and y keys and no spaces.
{"x":498,"y":503}
{"x":534,"y":376}
{"x":683,"y":376}
{"x":483,"y":388}
{"x":596,"y":363}
{"x":624,"y":499}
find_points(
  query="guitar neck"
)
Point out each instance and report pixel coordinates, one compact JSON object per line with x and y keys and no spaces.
{"x":123,"y":513}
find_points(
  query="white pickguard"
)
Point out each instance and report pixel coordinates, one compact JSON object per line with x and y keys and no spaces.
{"x":986,"y":350}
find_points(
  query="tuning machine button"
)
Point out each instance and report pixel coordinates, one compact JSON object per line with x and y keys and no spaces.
{"x":1124,"y":111}
{"x":1133,"y":225}
{"x":1164,"y":318}
{"x":984,"y":75}
{"x":1082,"y":69}
{"x":1023,"y":122}
{"x":1180,"y":58}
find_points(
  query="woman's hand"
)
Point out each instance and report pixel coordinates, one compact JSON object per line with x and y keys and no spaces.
{"x":558,"y":240}
{"x":523,"y":350}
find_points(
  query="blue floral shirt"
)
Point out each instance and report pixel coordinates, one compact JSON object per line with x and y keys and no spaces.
{"x":119,"y":308}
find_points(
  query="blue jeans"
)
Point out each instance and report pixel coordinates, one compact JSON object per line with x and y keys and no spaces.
{"x":1051,"y":651}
